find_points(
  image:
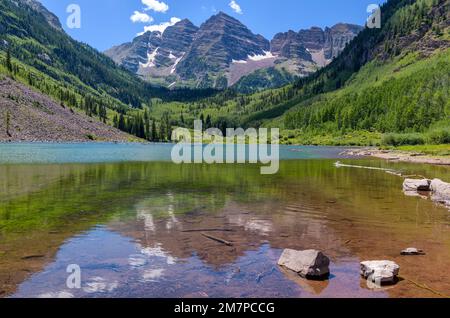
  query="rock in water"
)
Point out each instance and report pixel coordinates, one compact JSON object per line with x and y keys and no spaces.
{"x":412,"y":251}
{"x":441,"y":191}
{"x":309,"y":264}
{"x":380,"y":272}
{"x":416,"y":185}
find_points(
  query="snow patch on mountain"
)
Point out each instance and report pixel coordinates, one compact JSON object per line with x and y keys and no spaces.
{"x":171,"y":56}
{"x":150,"y":59}
{"x":174,"y":67}
{"x":265,"y":56}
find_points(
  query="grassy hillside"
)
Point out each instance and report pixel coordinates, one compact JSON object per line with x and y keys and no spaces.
{"x":409,"y":96}
{"x":404,"y":89}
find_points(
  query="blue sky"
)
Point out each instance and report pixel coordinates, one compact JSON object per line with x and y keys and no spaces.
{"x":105,"y":23}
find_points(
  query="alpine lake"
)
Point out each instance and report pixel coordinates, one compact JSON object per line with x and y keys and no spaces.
{"x":135,"y":224}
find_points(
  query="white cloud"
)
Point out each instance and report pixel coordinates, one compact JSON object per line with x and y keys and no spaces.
{"x":236,"y":7}
{"x":160,"y":27}
{"x":155,"y":5}
{"x":141,"y":17}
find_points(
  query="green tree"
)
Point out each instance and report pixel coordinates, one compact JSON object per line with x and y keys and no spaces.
{"x":182,"y":119}
{"x":154,"y":135}
{"x":122,"y":125}
{"x":208,"y":123}
{"x":9,"y":64}
{"x":167,"y":126}
{"x":8,"y":123}
{"x":162,"y":132}
{"x":102,"y":113}
{"x":202,"y":118}
{"x":147,"y":125}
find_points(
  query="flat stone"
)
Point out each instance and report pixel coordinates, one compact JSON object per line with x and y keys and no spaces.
{"x":412,"y":251}
{"x":380,"y":272}
{"x":416,"y":185}
{"x":309,"y":264}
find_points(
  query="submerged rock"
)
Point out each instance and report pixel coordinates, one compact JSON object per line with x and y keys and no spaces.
{"x":311,"y":286}
{"x":309,"y":264}
{"x":380,"y":272}
{"x":412,"y":251}
{"x":416,"y":185}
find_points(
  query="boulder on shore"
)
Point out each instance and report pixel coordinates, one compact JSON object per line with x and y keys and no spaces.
{"x":380,"y":272}
{"x":309,"y":264}
{"x":416,"y":185}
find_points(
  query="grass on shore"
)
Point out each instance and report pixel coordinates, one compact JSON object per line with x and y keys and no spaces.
{"x":359,"y":138}
{"x":433,"y":150}
{"x":356,"y":138}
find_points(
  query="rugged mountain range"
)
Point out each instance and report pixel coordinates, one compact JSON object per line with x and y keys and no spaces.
{"x":35,"y":50}
{"x":222,"y":51}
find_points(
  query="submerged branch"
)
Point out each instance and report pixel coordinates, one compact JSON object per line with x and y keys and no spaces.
{"x":207,"y":230}
{"x":339,"y":165}
{"x":217,"y":239}
{"x":425,"y":287}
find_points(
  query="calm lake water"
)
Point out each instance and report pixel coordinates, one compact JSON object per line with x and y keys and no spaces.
{"x":134,"y":223}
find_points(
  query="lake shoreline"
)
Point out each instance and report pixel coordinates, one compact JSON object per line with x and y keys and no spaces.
{"x":399,"y":156}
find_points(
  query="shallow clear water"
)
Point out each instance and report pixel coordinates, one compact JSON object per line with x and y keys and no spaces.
{"x":135,"y":228}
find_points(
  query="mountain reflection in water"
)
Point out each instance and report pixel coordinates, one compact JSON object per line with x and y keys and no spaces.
{"x":135,"y":229}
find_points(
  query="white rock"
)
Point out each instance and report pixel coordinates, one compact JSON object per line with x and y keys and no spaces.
{"x":308,"y":264}
{"x":412,"y":251}
{"x":441,"y":191}
{"x":416,"y":185}
{"x":380,"y":272}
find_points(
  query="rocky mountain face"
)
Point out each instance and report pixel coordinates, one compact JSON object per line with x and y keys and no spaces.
{"x":290,"y":45}
{"x":219,"y":41}
{"x":155,"y":55}
{"x":316,"y":45}
{"x":222,"y":51}
{"x":337,"y":37}
{"x":38,"y":7}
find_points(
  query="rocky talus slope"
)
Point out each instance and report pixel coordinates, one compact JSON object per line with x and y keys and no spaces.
{"x":26,"y":115}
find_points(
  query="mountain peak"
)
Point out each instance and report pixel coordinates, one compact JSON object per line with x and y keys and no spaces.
{"x":184,"y":22}
{"x":222,"y":16}
{"x":343,"y":27}
{"x":50,"y":17}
